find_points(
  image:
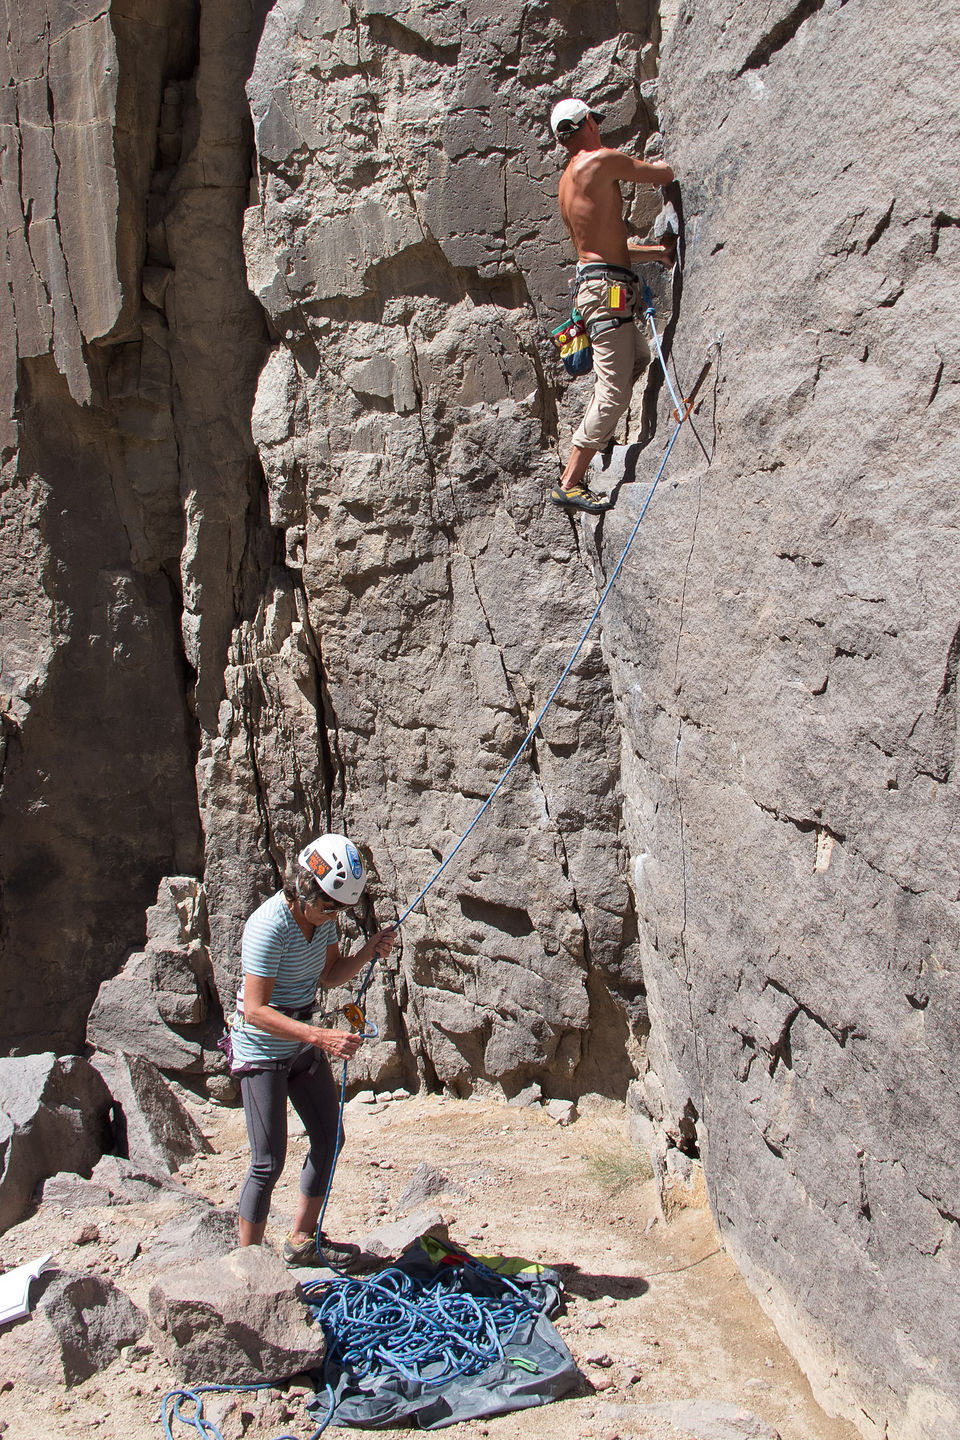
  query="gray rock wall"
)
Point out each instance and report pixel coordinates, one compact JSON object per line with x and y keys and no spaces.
{"x":276,"y":557}
{"x":784,"y":651}
{"x":129,"y":519}
{"x":404,"y":242}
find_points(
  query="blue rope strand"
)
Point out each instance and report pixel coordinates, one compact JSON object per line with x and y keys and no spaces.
{"x":173,"y":1401}
{"x":333,"y":1167}
{"x":553,"y":693}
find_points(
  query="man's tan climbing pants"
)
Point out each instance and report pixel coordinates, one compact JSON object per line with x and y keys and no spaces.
{"x":620,"y":357}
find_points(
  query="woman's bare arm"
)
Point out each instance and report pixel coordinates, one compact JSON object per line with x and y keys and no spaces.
{"x":257,"y":1010}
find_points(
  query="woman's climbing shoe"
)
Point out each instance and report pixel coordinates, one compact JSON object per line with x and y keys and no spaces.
{"x":333,"y":1254}
{"x":578,"y":497}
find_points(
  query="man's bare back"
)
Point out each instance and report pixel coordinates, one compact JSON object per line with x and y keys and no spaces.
{"x":592,"y":208}
{"x":591,"y":202}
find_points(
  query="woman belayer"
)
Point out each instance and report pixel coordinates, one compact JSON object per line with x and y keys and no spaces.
{"x":290,"y":946}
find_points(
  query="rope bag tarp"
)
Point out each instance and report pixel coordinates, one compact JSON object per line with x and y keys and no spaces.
{"x":440,"y":1337}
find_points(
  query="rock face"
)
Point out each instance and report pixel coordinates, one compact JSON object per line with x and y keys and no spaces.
{"x":784,"y":648}
{"x":122,"y":148}
{"x":153,"y":1128}
{"x":275,"y":557}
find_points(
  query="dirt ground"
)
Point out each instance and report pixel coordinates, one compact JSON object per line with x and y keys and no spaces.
{"x":655,"y":1313}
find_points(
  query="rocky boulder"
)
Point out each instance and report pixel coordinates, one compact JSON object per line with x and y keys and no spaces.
{"x":54,"y":1114}
{"x":157,"y":1006}
{"x":79,"y":1325}
{"x":234,"y":1320}
{"x":153,"y":1129}
{"x":203,"y":1232}
{"x":113,"y":1181}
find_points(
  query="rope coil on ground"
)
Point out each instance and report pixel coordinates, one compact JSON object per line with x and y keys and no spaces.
{"x":428,"y":1333}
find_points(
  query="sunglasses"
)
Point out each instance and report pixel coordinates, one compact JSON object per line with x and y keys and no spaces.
{"x":326,"y":907}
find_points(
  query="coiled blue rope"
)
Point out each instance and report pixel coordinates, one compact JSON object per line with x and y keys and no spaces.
{"x":427,"y":1332}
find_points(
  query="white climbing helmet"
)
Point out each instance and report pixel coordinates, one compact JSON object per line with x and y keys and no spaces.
{"x":335,"y":864}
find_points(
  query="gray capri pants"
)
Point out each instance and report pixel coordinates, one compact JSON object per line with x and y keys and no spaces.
{"x":315,"y":1096}
{"x":620,"y":356}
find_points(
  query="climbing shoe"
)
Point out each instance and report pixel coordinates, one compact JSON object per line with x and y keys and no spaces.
{"x":333,"y":1254}
{"x":578,"y":497}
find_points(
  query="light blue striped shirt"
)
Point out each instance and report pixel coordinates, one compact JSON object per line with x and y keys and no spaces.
{"x":274,"y":946}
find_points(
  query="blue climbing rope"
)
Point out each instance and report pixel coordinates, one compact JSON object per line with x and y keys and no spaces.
{"x":681,"y":414}
{"x":428,"y":1332}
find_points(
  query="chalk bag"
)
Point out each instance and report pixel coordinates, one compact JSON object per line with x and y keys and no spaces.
{"x":573,"y":342}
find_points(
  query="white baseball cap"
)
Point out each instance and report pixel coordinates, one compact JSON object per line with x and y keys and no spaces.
{"x":568,"y":115}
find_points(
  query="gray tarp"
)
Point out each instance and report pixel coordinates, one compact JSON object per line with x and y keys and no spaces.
{"x":546,"y":1369}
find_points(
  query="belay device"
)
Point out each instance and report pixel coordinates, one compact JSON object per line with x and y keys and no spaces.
{"x":359,"y":1023}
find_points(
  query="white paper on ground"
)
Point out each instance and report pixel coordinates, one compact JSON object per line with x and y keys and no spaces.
{"x":15,"y":1289}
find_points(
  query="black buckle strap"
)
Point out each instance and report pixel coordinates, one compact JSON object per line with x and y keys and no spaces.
{"x":598,"y":270}
{"x":609,"y":322}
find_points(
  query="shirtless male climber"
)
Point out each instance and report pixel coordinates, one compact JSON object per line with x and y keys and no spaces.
{"x":607,"y":288}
